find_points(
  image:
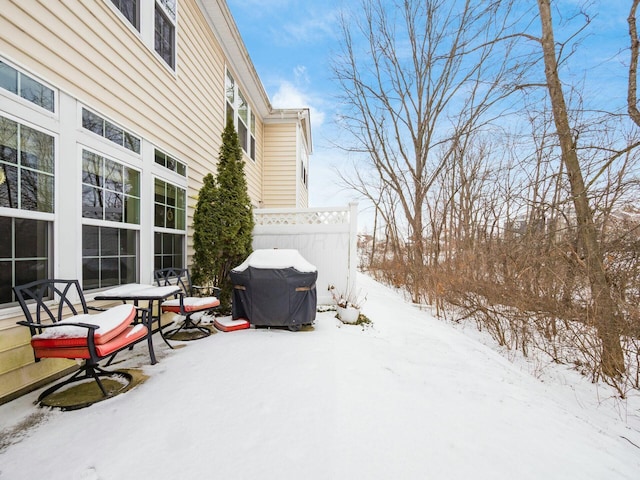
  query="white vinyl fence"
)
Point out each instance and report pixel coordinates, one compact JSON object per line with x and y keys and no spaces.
{"x":326,"y":237}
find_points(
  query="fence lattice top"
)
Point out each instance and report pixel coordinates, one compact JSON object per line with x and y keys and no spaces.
{"x":304,"y":217}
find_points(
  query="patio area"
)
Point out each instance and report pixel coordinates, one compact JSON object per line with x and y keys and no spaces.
{"x":408,"y":397}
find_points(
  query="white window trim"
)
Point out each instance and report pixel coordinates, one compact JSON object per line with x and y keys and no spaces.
{"x":23,"y":101}
{"x":108,"y":145}
{"x":122,"y":161}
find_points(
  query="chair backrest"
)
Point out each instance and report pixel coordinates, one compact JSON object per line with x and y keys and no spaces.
{"x":41,"y":293}
{"x":174,"y":276}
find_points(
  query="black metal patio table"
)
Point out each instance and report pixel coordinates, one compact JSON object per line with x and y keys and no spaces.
{"x":136,"y":292}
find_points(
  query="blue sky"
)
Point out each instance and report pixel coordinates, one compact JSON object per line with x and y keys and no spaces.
{"x":291,"y":43}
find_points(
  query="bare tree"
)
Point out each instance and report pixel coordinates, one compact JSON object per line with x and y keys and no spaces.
{"x":606,"y":316}
{"x":632,"y":91}
{"x":417,"y":77}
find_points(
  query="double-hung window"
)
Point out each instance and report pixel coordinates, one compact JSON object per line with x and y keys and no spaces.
{"x":239,"y":111}
{"x":170,"y":223}
{"x":165,"y":30}
{"x":27,"y":170}
{"x":111,"y":218}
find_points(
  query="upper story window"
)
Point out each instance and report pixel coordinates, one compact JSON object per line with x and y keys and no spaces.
{"x":165,"y":31}
{"x":252,"y":138}
{"x":26,"y":87}
{"x":303,"y":173}
{"x":26,"y":167}
{"x":103,"y":127}
{"x":170,"y":7}
{"x":170,"y":163}
{"x":156,"y":22}
{"x":244,"y":120}
{"x":131,"y":11}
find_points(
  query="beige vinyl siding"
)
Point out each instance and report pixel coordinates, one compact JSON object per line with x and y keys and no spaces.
{"x":178,"y":111}
{"x":280,"y":165}
{"x":17,"y":367}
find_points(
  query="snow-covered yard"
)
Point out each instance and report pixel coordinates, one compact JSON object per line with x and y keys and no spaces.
{"x":410,"y":397}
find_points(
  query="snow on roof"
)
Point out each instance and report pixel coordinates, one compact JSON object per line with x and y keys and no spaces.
{"x":276,"y":258}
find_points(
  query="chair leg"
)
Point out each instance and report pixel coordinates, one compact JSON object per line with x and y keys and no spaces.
{"x":188,"y":324}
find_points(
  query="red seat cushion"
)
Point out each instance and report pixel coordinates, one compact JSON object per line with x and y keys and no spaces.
{"x":229,"y":325}
{"x":131,"y":334}
{"x":191,"y":304}
{"x":111,"y":324}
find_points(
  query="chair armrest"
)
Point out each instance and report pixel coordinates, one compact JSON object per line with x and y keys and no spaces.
{"x":90,"y":326}
{"x":97,"y":309}
{"x":198,"y":290}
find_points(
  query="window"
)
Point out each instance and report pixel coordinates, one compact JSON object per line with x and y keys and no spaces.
{"x":103,"y":127}
{"x":243,"y":112}
{"x":164,"y":36}
{"x":243,"y":118}
{"x":109,"y":256}
{"x":110,"y":190}
{"x":170,"y":7}
{"x":170,"y":163}
{"x":26,"y":87}
{"x":230,"y":91}
{"x":168,"y":250}
{"x":26,"y":168}
{"x":26,"y":183}
{"x":156,"y":21}
{"x":24,"y":253}
{"x":252,"y":152}
{"x":303,"y":173}
{"x":130,"y":10}
{"x":170,"y":207}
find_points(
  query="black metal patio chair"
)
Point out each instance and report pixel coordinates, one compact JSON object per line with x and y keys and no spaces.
{"x":186,"y":302}
{"x":58,"y":318}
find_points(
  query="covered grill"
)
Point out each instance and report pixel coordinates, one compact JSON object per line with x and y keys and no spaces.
{"x":275,"y":288}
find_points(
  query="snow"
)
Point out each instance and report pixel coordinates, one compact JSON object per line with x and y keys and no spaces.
{"x":410,"y":397}
{"x":276,"y":258}
{"x":139,"y":290}
{"x":107,"y":321}
{"x":192,"y":302}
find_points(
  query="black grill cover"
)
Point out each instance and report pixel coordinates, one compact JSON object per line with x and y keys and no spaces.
{"x":282,"y":297}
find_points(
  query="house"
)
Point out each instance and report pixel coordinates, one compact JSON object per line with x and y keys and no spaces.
{"x":111,"y":114}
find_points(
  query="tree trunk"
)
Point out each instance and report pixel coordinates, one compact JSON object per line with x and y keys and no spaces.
{"x":606,"y":316}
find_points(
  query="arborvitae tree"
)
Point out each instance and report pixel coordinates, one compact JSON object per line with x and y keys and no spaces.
{"x":224,"y":211}
{"x":204,"y":234}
